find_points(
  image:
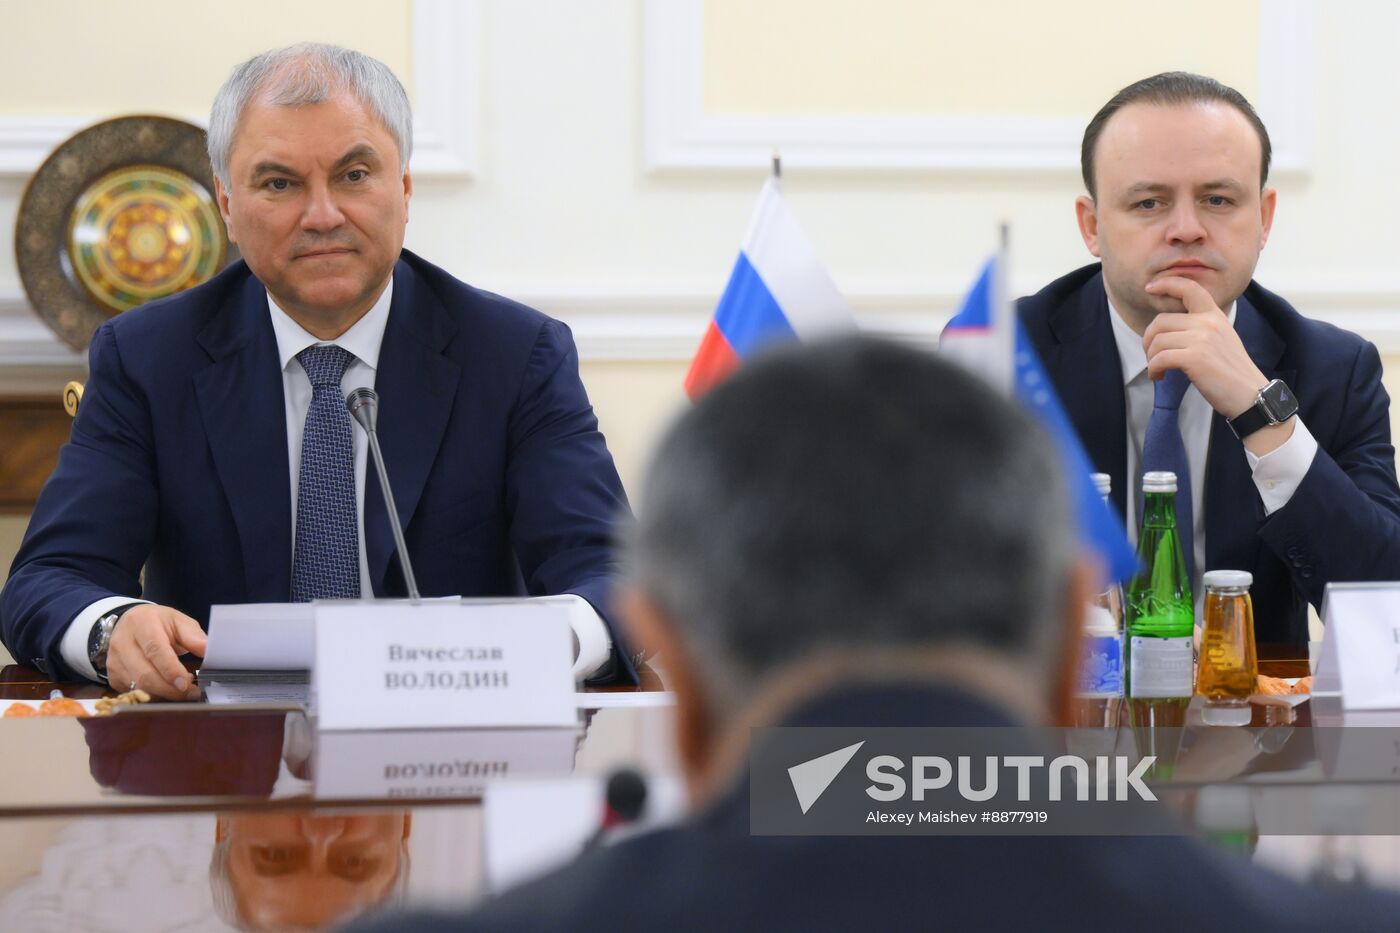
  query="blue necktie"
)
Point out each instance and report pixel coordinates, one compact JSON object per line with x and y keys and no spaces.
{"x":1163,"y":449}
{"x":326,"y":562}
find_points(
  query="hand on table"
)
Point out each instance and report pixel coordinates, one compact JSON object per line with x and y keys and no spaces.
{"x":145,"y":650}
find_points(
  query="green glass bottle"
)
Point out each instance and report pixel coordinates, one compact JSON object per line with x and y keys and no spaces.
{"x":1161,"y":619}
{"x":1160,"y":624}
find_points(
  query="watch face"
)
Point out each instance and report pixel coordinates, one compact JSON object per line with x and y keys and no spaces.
{"x":94,"y":639}
{"x":1278,"y":398}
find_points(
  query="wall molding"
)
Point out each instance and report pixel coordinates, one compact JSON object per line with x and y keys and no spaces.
{"x":618,"y":324}
{"x":679,"y":135}
{"x":447,"y":47}
{"x":447,"y":86}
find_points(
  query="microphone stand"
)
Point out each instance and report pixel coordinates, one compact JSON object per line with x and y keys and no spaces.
{"x":363,"y":404}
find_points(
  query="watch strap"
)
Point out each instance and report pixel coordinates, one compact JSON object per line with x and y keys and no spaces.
{"x":99,"y":641}
{"x":1250,"y":420}
{"x":1273,"y":404}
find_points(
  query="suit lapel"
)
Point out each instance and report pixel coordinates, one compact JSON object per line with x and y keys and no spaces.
{"x":1232,"y":507}
{"x":416,"y":384}
{"x":1084,"y":366}
{"x":241,"y":402}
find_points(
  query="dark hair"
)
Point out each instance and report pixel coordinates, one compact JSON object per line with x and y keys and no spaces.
{"x":854,"y":494}
{"x":1169,"y":89}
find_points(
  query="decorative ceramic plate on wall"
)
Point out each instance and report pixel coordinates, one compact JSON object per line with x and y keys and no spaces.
{"x":120,"y":214}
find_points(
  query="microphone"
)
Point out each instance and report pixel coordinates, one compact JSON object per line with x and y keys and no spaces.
{"x":624,"y":802}
{"x":364,"y":408}
{"x":625,"y":799}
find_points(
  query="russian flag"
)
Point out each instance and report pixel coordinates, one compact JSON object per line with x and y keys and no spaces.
{"x":986,"y":336}
{"x":778,"y":291}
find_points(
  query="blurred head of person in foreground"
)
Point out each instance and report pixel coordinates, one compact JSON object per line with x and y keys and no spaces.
{"x":851,"y":511}
{"x":858,"y":534}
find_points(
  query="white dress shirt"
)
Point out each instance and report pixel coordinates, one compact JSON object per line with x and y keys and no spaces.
{"x":363,"y":340}
{"x":1276,"y":475}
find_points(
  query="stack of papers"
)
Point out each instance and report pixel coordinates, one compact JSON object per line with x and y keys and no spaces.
{"x":260,"y":642}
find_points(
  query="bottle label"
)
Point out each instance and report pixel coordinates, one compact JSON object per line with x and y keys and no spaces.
{"x":1160,"y":667}
{"x":1101,"y":667}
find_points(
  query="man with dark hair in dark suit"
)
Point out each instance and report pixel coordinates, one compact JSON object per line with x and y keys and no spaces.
{"x":858,"y":534}
{"x":1280,"y":424}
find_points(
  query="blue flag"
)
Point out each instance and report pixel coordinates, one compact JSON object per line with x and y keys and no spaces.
{"x":983,"y":332}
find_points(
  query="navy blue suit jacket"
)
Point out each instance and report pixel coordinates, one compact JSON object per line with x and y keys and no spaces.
{"x":178,"y":462}
{"x":710,"y":873}
{"x":1343,"y":523}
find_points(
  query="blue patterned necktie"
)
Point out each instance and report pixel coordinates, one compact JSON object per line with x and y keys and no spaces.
{"x":1163,"y":449}
{"x":326,"y":562}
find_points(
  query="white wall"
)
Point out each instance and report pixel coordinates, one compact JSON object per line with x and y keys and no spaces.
{"x":549,"y":100}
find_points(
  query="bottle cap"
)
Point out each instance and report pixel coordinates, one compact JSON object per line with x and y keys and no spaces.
{"x":1103,"y":483}
{"x":1213,"y":715}
{"x":1159,"y":481}
{"x":1221,"y":579}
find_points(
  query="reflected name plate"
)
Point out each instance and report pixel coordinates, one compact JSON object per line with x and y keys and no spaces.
{"x":437,"y":764}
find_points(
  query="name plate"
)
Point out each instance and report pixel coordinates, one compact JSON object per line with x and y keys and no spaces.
{"x":400,"y":666}
{"x":1361,"y":645}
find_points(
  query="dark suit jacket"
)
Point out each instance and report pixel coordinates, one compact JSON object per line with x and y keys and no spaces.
{"x":1343,"y":523}
{"x":178,"y":461}
{"x":710,"y":874}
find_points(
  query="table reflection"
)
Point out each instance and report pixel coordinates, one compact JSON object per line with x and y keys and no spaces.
{"x":213,"y":754}
{"x":242,"y":869}
{"x":307,"y":870}
{"x":182,"y":817}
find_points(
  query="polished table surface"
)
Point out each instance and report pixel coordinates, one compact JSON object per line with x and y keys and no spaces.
{"x":182,"y":756}
{"x":1282,"y":660}
{"x":201,"y":816}
{"x":176,"y":756}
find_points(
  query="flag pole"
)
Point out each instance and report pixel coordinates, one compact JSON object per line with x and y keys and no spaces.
{"x":1004,"y":313}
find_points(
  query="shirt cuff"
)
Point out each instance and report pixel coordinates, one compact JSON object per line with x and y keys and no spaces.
{"x":1279,"y":472}
{"x":590,"y":632}
{"x":74,"y":646}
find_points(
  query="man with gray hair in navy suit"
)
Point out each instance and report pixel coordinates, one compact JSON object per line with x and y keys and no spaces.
{"x":214,"y":449}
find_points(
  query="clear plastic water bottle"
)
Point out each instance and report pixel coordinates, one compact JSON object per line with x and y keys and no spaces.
{"x":1099,"y":698}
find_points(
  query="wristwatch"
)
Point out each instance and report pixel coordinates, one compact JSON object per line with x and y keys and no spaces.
{"x":100,"y":638}
{"x":1275,"y":404}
